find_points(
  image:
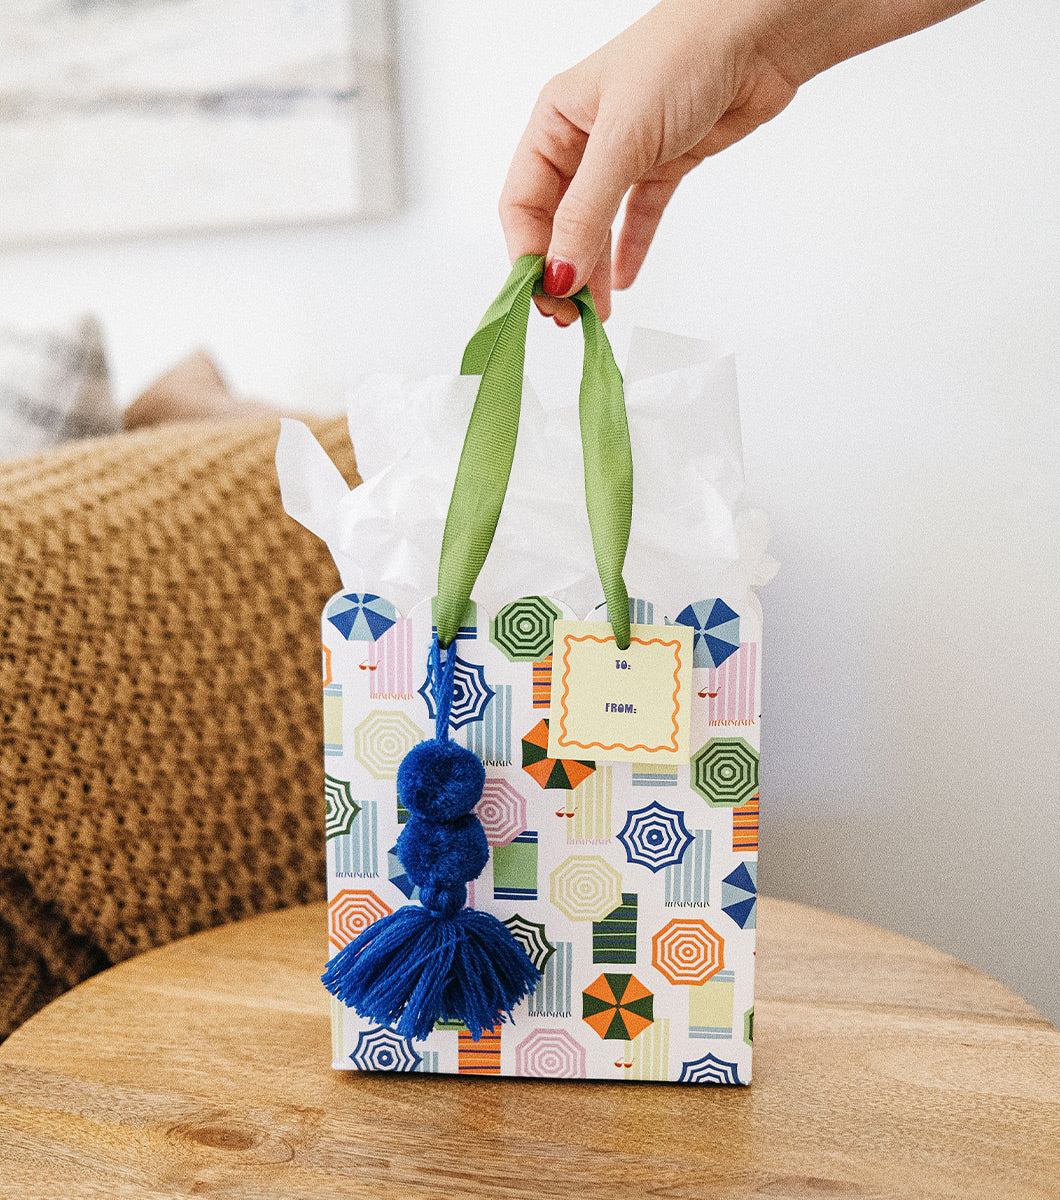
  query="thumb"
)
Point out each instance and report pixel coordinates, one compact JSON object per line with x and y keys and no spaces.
{"x":581,"y":226}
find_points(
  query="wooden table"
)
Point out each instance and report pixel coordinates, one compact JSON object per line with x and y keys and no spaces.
{"x":882,"y":1069}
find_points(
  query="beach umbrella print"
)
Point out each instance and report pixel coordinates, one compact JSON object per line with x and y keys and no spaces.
{"x":395,"y":871}
{"x":550,"y":1054}
{"x":617,"y":1007}
{"x":531,"y":936}
{"x":382,"y":1049}
{"x":340,"y":808}
{"x":351,"y":912}
{"x":688,"y":952}
{"x":360,"y":616}
{"x":382,"y":740}
{"x":471,"y":692}
{"x":585,"y":887}
{"x":523,"y":630}
{"x":716,"y":631}
{"x":564,"y":773}
{"x":655,"y":836}
{"x":739,"y":894}
{"x":709,"y":1069}
{"x":502,"y":811}
{"x":725,"y":772}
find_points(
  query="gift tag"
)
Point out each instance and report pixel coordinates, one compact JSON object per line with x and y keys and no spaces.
{"x":620,"y":705}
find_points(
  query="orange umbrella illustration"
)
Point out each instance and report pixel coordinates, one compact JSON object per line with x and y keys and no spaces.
{"x":564,"y":773}
{"x":618,"y":1007}
{"x":687,"y":951}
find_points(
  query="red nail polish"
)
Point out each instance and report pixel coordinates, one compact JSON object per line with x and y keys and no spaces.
{"x":559,"y":277}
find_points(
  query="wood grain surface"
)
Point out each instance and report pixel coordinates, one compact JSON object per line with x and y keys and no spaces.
{"x":883,"y":1069}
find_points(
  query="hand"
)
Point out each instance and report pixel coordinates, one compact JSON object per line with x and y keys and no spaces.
{"x":687,"y":80}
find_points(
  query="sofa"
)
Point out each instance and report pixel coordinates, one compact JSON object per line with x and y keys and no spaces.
{"x":160,"y":700}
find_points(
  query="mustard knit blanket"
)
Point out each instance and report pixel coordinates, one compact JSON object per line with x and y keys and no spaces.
{"x":160,"y":768}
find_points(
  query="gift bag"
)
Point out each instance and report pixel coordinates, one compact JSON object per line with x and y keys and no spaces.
{"x":542,"y":802}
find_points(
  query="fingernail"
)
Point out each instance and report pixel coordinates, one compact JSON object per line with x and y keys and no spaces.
{"x":559,"y":277}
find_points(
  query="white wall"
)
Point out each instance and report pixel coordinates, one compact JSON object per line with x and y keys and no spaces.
{"x":885,"y":260}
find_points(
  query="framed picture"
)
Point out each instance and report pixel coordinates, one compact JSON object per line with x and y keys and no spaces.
{"x":121,"y":118}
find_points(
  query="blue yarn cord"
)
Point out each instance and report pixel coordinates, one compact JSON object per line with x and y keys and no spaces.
{"x":442,"y":685}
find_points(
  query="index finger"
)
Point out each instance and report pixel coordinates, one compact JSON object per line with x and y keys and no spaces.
{"x":545,"y":161}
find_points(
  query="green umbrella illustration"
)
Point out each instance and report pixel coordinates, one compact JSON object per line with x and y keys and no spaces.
{"x":725,"y":772}
{"x":341,"y":808}
{"x":531,"y":936}
{"x":564,"y":773}
{"x":618,"y":1007}
{"x":523,"y":630}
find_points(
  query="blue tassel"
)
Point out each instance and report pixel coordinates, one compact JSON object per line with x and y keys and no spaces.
{"x":441,"y":961}
{"x":417,"y":967}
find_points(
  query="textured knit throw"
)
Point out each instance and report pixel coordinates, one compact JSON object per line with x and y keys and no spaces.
{"x":159,"y":697}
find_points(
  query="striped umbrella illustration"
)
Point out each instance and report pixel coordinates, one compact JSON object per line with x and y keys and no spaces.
{"x":502,"y":811}
{"x":360,"y":616}
{"x":550,"y":1053}
{"x":350,"y":913}
{"x":687,"y":951}
{"x":717,"y":631}
{"x":531,"y":936}
{"x":564,"y":773}
{"x":725,"y":772}
{"x":709,"y":1069}
{"x":585,"y":887}
{"x":383,"y":739}
{"x":340,"y":808}
{"x":739,"y":894}
{"x":523,"y":629}
{"x":471,"y":693}
{"x":617,"y":1007}
{"x":655,"y":836}
{"x":382,"y":1049}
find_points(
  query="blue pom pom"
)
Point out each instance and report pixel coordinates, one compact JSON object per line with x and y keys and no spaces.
{"x":438,"y":961}
{"x":443,"y":855}
{"x":440,"y":780}
{"x":416,"y":968}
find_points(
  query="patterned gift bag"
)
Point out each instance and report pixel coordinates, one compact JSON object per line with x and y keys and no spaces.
{"x":619,"y":807}
{"x":631,"y":884}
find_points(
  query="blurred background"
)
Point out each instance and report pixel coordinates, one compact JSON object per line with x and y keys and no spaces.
{"x":883,"y":258}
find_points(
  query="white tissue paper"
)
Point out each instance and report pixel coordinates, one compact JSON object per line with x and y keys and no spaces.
{"x":691,"y":534}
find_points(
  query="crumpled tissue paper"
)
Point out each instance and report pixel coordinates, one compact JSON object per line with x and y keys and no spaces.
{"x":691,"y":536}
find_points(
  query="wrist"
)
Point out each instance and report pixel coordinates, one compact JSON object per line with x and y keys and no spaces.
{"x":802,"y":38}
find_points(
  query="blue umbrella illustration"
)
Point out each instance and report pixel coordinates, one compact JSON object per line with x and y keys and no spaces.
{"x":717,"y":631}
{"x":397,"y":876}
{"x":655,"y":836}
{"x":709,"y":1069}
{"x":360,"y":616}
{"x":471,"y":692}
{"x":382,"y":1049}
{"x":739,"y":894}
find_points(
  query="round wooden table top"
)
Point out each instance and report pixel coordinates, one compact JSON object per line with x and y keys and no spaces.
{"x":882,"y":1069}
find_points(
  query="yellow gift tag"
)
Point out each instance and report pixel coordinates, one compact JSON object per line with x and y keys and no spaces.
{"x":620,"y":705}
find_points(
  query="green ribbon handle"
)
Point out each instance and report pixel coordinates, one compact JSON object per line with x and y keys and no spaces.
{"x":497,"y":352}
